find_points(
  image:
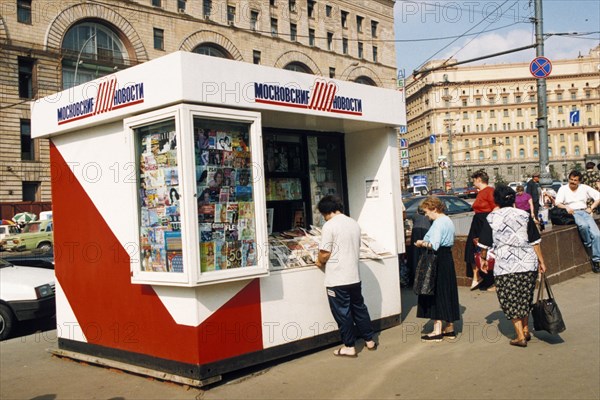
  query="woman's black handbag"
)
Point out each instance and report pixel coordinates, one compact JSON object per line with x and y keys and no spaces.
{"x":560,"y":216}
{"x":546,"y":315}
{"x":425,"y":274}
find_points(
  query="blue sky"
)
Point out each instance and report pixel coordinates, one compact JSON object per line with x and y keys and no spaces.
{"x":507,"y":25}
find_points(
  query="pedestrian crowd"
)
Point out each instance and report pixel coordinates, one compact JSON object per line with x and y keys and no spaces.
{"x":504,"y":244}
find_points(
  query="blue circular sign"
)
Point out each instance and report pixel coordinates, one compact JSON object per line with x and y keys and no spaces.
{"x":540,"y":67}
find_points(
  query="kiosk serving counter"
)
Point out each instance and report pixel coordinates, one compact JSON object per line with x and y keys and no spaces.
{"x":184,"y":202}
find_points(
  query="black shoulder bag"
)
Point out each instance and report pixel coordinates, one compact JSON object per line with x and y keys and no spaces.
{"x":545,"y":312}
{"x":425,"y":274}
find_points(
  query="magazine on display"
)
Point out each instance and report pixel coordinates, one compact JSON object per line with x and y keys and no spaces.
{"x":160,"y":213}
{"x":224,"y":195}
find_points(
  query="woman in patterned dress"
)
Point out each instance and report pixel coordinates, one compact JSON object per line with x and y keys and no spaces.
{"x":516,"y":244}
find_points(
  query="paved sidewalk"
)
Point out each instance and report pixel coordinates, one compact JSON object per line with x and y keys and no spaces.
{"x":478,"y":364}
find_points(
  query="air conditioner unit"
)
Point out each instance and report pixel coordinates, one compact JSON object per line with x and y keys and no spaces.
{"x":231,"y":23}
{"x":181,"y":10}
{"x":206,"y":16}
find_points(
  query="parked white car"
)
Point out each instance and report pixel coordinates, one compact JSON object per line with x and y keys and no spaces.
{"x":7,"y":230}
{"x":26,"y":293}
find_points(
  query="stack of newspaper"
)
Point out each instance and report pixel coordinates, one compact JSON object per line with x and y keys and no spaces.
{"x":300,"y":247}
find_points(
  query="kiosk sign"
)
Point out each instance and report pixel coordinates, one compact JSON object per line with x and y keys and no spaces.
{"x":108,"y":97}
{"x":321,"y":97}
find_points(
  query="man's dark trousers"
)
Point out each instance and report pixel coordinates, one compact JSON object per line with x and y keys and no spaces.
{"x":348,"y":308}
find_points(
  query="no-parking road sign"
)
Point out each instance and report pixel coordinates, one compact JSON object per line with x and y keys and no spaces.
{"x":540,"y":67}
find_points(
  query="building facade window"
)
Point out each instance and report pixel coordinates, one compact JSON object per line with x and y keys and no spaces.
{"x":505,"y":112}
{"x":478,"y":101}
{"x":468,"y":156}
{"x":481,"y":155}
{"x":157,"y":3}
{"x":26,"y":78}
{"x":563,"y":151}
{"x":374,"y":27}
{"x":159,"y":39}
{"x":93,"y":50}
{"x":230,"y":15}
{"x":345,"y":45}
{"x":24,"y":11}
{"x":375,"y":55}
{"x":507,"y":154}
{"x":331,"y":72}
{"x":181,"y":5}
{"x":492,"y":113}
{"x":328,"y":10}
{"x":329,"y":41}
{"x":465,"y":115}
{"x":28,"y":152}
{"x":311,"y":37}
{"x":31,"y":191}
{"x":360,"y":50}
{"x":521,"y":153}
{"x":494,"y":155}
{"x":344,"y":19}
{"x":254,"y":20}
{"x":576,"y":137}
{"x":292,"y":5}
{"x":274,"y":28}
{"x":310,"y":8}
{"x":562,"y":137}
{"x":206,"y":8}
{"x":478,"y":114}
{"x":359,"y":23}
{"x":298,"y":67}
{"x":536,"y":153}
{"x":293,"y":32}
{"x":256,"y":57}
{"x":560,"y":110}
{"x":577,"y":151}
{"x":212,"y":50}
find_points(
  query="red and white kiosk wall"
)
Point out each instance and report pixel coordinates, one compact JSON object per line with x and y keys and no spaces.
{"x":139,"y":280}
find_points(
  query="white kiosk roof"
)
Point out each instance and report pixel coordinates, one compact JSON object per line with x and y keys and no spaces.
{"x":308,"y":101}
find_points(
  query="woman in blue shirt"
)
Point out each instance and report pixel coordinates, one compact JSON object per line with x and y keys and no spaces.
{"x":443,"y":305}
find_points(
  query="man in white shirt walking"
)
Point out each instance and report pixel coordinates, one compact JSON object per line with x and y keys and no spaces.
{"x":573,"y":198}
{"x":339,"y":252}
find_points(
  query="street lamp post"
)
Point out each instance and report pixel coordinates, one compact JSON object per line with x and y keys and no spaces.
{"x":79,"y":57}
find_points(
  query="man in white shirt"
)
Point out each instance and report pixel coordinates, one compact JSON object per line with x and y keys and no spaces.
{"x":573,"y":198}
{"x":339,"y":252}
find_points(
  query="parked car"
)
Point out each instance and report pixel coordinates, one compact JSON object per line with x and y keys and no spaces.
{"x":35,"y":235}
{"x":454,"y":205}
{"x":436,"y":192}
{"x":26,"y":293}
{"x":514,"y":185}
{"x":459,"y":211}
{"x":38,"y":258}
{"x":7,"y":230}
{"x":420,"y":190}
{"x":466,"y":192}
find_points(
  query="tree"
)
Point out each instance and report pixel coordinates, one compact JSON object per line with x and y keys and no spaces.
{"x":554,"y":174}
{"x":499,"y":180}
{"x":576,"y":167}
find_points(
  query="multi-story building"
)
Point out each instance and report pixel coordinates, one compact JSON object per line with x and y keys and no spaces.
{"x":48,"y":46}
{"x":485,"y":117}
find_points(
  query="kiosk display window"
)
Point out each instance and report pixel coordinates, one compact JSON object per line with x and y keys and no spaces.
{"x":224,"y":179}
{"x":160,"y":213}
{"x":200,"y":195}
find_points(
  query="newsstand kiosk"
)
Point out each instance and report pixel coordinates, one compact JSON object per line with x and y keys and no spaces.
{"x":184,"y":196}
